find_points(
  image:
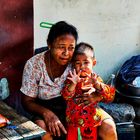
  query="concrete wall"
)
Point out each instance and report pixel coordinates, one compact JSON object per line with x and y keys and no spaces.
{"x":111,"y":26}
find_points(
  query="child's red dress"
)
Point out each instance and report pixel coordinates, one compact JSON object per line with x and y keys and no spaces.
{"x":82,"y":119}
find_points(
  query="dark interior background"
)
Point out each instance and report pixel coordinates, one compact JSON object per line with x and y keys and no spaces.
{"x":16,"y":44}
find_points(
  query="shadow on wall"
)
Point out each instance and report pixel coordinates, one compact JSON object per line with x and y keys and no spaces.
{"x":16,"y":43}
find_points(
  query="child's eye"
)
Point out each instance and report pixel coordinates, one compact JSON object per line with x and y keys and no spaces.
{"x":77,"y":63}
{"x":86,"y":62}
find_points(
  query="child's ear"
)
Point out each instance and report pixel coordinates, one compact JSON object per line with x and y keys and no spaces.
{"x":94,"y":62}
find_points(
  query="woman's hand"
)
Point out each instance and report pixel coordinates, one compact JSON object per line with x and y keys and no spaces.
{"x":53,"y":123}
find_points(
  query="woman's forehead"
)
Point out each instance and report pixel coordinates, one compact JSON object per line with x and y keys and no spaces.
{"x":64,"y":38}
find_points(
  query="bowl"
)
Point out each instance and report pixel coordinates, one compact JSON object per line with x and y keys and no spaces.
{"x":130,"y":90}
{"x":133,"y":100}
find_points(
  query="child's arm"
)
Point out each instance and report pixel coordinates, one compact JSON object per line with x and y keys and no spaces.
{"x":69,"y":89}
{"x":104,"y":91}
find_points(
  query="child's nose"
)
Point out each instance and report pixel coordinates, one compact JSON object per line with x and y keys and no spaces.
{"x":82,"y":65}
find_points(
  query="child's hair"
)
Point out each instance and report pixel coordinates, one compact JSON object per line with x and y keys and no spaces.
{"x":84,"y":48}
{"x":61,"y":28}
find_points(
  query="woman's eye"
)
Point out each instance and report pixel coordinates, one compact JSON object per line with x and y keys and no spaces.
{"x":71,"y":48}
{"x":61,"y":47}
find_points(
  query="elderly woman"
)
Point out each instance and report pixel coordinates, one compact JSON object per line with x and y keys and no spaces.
{"x":43,"y":78}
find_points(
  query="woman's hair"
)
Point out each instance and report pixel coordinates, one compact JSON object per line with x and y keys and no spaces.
{"x":61,"y":28}
{"x":84,"y":48}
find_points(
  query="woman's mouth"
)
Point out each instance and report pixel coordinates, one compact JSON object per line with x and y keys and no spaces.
{"x":65,"y":59}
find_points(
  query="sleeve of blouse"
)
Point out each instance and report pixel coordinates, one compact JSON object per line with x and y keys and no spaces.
{"x":67,"y":95}
{"x":29,"y":83}
{"x":107,"y":92}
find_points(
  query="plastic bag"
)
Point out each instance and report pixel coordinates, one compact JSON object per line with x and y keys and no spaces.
{"x":3,"y":121}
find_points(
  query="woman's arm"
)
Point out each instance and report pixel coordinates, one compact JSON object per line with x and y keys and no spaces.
{"x":30,"y":105}
{"x":50,"y":118}
{"x":31,"y":77}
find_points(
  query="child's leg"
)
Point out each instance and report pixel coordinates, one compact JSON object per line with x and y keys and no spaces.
{"x":107,"y":130}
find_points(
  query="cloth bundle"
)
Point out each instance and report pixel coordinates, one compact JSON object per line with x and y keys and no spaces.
{"x":121,"y":112}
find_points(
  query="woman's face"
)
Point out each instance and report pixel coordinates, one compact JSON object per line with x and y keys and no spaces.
{"x":63,"y":48}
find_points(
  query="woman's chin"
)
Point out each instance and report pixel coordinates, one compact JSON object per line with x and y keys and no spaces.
{"x":63,"y":63}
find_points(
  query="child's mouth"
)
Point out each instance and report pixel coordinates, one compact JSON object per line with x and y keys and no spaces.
{"x":83,"y":73}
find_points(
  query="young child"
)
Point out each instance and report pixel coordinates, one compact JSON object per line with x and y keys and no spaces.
{"x":82,"y":91}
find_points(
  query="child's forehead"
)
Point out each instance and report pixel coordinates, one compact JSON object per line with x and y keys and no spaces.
{"x":85,"y":51}
{"x":82,"y":55}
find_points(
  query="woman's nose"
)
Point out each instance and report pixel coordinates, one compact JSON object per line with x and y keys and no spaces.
{"x":66,"y":52}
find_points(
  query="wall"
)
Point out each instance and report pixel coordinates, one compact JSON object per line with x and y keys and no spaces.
{"x":111,"y":26}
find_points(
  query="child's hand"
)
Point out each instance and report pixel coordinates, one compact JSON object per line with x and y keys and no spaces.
{"x":97,"y":83}
{"x":89,"y":98}
{"x":88,"y":90}
{"x":94,"y":78}
{"x":75,"y":78}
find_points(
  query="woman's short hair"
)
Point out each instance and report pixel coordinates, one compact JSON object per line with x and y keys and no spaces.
{"x":61,"y":28}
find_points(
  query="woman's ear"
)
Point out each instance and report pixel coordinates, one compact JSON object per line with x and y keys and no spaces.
{"x":48,"y":45}
{"x":94,"y":62}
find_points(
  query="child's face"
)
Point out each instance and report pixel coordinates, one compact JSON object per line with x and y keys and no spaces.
{"x":84,"y":64}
